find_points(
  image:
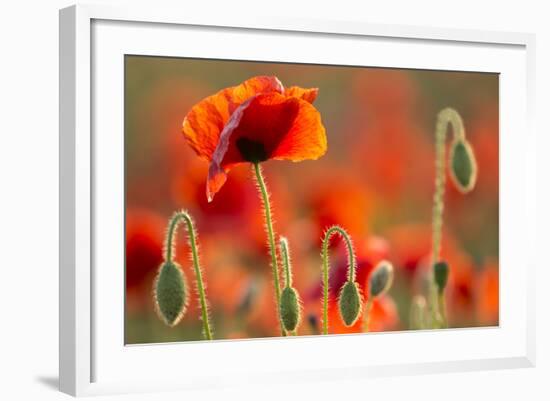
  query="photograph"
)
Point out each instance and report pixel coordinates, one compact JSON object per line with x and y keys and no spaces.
{"x":269,"y":199}
{"x":301,"y":200}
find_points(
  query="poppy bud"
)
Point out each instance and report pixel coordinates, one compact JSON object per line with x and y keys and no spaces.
{"x":350,"y":303}
{"x":441,"y":275}
{"x":463,"y":165}
{"x":290,"y":308}
{"x":171,"y":293}
{"x":381,"y":278}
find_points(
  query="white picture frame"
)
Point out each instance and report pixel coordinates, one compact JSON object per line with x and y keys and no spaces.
{"x":93,"y":358}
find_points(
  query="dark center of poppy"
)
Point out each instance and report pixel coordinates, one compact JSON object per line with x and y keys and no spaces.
{"x":251,"y":151}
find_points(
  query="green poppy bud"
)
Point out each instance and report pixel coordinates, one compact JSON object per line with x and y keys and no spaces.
{"x":171,"y":295}
{"x":290,"y":308}
{"x":350,"y":303}
{"x":441,"y":275}
{"x":463,"y":166}
{"x":381,"y":278}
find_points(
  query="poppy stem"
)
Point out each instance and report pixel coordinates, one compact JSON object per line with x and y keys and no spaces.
{"x":445,"y":117}
{"x":270,"y":237}
{"x":366,"y":316}
{"x":351,"y":266}
{"x":283,"y":246}
{"x":442,"y":309}
{"x":290,"y":311}
{"x":170,"y":252}
{"x":417,"y":313}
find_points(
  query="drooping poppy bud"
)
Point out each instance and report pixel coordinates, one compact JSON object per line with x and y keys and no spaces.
{"x":350,"y":303}
{"x":290,"y":308}
{"x":171,"y":294}
{"x":381,"y":278}
{"x":170,"y":286}
{"x":463,"y":165}
{"x":441,"y":275}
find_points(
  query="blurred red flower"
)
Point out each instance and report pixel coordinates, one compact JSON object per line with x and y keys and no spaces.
{"x":234,"y":204}
{"x":339,"y":198}
{"x":253,"y":122}
{"x":487,"y":293}
{"x":389,"y":147}
{"x":411,"y":247}
{"x":144,"y":245}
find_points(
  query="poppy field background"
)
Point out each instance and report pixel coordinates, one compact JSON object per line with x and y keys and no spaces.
{"x":376,"y":180}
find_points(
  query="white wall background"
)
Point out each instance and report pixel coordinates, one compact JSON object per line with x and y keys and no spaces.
{"x":29,"y":197}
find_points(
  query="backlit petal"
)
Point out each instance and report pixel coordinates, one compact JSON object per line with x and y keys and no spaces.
{"x":272,"y":126}
{"x":255,"y":86}
{"x":309,"y":95}
{"x":204,"y":123}
{"x":305,"y":140}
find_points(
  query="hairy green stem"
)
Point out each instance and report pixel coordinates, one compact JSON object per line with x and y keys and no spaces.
{"x":351,"y":266}
{"x":170,"y":253}
{"x":445,"y":117}
{"x":417,"y":313}
{"x":366,"y":314}
{"x":442,"y":309}
{"x":270,"y":237}
{"x":285,"y":256}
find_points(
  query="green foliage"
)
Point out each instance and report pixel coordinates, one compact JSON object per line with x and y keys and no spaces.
{"x":350,"y":303}
{"x":290,"y":308}
{"x":171,"y":294}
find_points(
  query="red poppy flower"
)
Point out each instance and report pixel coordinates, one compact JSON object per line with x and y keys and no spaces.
{"x":255,"y":121}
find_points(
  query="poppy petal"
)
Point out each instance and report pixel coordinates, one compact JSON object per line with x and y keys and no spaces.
{"x":216,"y":173}
{"x":255,"y":86}
{"x":306,"y":139}
{"x":204,"y":123}
{"x":216,"y":178}
{"x":309,"y":95}
{"x":267,"y":126}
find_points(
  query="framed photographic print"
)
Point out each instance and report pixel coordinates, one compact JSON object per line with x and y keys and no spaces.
{"x":317,"y":200}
